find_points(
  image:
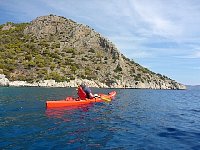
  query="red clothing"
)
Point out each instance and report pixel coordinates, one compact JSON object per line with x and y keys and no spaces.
{"x":81,"y":93}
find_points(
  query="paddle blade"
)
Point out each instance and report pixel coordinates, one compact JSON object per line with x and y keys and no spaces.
{"x":106,"y":99}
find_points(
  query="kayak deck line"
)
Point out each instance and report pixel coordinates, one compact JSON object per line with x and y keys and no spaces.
{"x":70,"y":101}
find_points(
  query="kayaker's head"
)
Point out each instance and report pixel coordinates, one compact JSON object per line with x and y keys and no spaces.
{"x":83,"y":84}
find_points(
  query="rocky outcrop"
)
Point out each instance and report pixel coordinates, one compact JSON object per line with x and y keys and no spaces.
{"x":69,"y":34}
{"x":8,"y":27}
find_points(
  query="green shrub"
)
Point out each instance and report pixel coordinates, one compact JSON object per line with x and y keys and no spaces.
{"x":52,"y":66}
{"x":84,"y":59}
{"x":70,"y":50}
{"x":57,"y":77}
{"x":54,"y":55}
{"x":73,"y":68}
{"x":55,"y":45}
{"x":118,"y":68}
{"x":88,"y":71}
{"x":91,"y":50}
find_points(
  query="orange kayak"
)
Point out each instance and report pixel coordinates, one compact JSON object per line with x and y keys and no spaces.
{"x":70,"y":101}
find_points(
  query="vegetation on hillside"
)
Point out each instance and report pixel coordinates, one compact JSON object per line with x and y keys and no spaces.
{"x":23,"y":57}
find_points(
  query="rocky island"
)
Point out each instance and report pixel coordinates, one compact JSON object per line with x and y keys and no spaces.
{"x":53,"y":51}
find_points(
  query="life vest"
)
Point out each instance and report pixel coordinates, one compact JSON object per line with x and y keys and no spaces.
{"x":81,"y":93}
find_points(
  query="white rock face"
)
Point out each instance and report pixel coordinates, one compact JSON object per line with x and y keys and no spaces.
{"x":91,"y":83}
{"x":47,"y":83}
{"x":21,"y":83}
{"x":3,"y":80}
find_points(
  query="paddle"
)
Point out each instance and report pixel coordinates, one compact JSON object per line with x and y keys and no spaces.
{"x":106,"y":99}
{"x":103,"y":97}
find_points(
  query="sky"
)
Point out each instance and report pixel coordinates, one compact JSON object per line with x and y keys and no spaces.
{"x":161,"y":35}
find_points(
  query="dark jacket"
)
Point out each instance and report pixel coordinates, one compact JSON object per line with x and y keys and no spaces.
{"x":87,"y":90}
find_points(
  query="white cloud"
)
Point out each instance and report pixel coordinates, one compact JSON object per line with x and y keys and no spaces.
{"x":152,"y":15}
{"x":193,"y":55}
{"x":172,"y":19}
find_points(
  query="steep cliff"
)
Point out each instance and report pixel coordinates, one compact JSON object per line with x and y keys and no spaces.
{"x":53,"y":47}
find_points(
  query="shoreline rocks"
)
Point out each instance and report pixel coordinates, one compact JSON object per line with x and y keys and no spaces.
{"x":3,"y":80}
{"x":74,"y":83}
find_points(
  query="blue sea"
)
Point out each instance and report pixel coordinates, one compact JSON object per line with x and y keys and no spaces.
{"x":135,"y":119}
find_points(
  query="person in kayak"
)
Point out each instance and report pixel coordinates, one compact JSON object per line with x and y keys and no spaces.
{"x":84,"y":91}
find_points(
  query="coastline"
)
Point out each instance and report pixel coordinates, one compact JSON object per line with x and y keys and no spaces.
{"x":92,"y":83}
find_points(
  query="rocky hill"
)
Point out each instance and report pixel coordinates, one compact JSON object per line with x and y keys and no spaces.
{"x":55,"y":48}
